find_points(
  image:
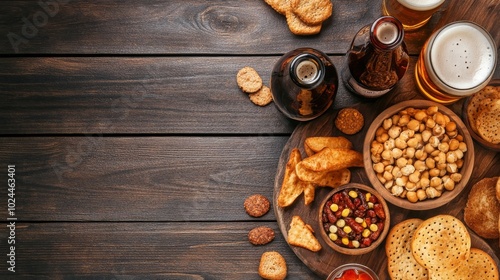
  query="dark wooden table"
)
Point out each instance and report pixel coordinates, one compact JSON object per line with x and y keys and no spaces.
{"x":134,"y":148}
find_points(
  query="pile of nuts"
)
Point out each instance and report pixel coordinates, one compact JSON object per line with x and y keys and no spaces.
{"x":417,"y":153}
{"x":353,"y":218}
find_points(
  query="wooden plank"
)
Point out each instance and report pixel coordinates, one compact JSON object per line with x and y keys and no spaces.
{"x":138,"y":95}
{"x":99,"y":178}
{"x":173,"y":27}
{"x":217,"y":250}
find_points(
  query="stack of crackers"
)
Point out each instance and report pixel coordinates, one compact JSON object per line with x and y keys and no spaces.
{"x":304,"y":17}
{"x":483,"y":112}
{"x":482,"y":211}
{"x":437,"y":248}
{"x":250,"y":82}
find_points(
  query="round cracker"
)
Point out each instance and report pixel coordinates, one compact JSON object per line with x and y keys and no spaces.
{"x":400,"y":262}
{"x":298,"y":27}
{"x":248,"y":80}
{"x":262,"y":97}
{"x":481,"y":266}
{"x":257,"y":205}
{"x":280,"y":6}
{"x":488,"y":121}
{"x":482,"y":209}
{"x":349,"y":121}
{"x":261,"y":235}
{"x":475,"y":102}
{"x":312,"y":12}
{"x":441,"y":243}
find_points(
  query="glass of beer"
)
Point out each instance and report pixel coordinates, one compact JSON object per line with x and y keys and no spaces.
{"x":413,"y":14}
{"x":456,"y":61}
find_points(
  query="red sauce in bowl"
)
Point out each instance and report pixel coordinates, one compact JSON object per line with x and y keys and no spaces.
{"x":353,"y":274}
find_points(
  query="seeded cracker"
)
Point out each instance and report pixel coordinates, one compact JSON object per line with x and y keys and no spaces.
{"x":439,"y":238}
{"x":312,"y":12}
{"x":249,"y":80}
{"x":487,"y":122}
{"x":280,"y":6}
{"x":261,"y":235}
{"x":257,"y":205}
{"x":298,"y":27}
{"x":400,"y":262}
{"x":262,"y":97}
{"x":349,"y":121}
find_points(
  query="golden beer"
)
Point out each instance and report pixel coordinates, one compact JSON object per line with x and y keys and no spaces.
{"x":457,"y":61}
{"x":413,"y":14}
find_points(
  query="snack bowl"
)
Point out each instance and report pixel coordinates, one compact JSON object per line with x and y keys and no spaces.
{"x":354,"y":219}
{"x":430,"y":187}
{"x":350,"y":270}
{"x":467,"y":120}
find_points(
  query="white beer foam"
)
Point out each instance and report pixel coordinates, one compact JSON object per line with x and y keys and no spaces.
{"x":463,"y":56}
{"x":421,"y":5}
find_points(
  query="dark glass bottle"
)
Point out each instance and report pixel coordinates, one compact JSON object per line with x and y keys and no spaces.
{"x":304,"y":83}
{"x":377,"y":58}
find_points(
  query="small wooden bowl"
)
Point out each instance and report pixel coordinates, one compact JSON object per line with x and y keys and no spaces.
{"x":474,"y":135}
{"x":354,"y":251}
{"x":446,"y":196}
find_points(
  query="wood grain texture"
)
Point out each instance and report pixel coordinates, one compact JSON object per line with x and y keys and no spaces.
{"x":173,"y":27}
{"x":186,"y":251}
{"x":139,"y":178}
{"x":138,"y":95}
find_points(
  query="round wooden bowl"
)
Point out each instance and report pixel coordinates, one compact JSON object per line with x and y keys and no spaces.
{"x":428,"y":203}
{"x":354,"y":251}
{"x":478,"y":138}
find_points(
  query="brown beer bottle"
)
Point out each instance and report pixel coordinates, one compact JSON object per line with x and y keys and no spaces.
{"x":304,"y":83}
{"x":377,"y":58}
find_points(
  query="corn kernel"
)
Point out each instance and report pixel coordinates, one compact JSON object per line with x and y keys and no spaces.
{"x":373,"y":227}
{"x":366,"y":232}
{"x":364,"y":224}
{"x":333,"y":236}
{"x":334,"y":207}
{"x":346,"y":212}
{"x":333,"y":229}
{"x":345,"y":241}
{"x":347,"y":229}
{"x":370,"y":205}
{"x":355,"y":243}
{"x":359,"y":220}
{"x":340,"y":223}
{"x":368,"y":195}
{"x":353,"y":194}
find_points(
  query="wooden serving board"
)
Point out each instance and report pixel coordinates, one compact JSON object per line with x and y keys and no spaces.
{"x":324,"y":261}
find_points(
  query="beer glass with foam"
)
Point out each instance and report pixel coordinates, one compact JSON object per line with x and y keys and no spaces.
{"x":413,"y":14}
{"x":456,"y":61}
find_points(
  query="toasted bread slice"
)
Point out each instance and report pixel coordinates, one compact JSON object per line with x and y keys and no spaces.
{"x":272,"y":266}
{"x":483,"y":209}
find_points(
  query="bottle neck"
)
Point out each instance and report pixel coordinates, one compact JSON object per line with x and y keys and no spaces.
{"x":307,"y":70}
{"x":386,"y":33}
